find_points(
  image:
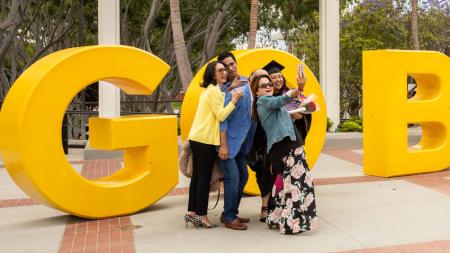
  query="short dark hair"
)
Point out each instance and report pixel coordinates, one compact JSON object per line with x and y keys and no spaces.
{"x":224,"y":55}
{"x":210,"y":73}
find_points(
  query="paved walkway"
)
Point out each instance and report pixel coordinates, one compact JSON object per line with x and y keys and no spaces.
{"x":357,"y":213}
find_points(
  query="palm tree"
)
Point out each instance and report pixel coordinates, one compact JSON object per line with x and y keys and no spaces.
{"x":184,"y":66}
{"x":414,"y":25}
{"x":414,"y":38}
{"x":253,"y":23}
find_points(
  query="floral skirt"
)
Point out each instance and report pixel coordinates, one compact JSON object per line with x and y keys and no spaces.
{"x":293,"y":207}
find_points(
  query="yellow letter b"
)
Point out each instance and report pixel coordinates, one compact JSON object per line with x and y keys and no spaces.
{"x":387,"y":112}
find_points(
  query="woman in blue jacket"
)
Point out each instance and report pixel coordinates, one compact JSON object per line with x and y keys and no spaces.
{"x":294,"y":208}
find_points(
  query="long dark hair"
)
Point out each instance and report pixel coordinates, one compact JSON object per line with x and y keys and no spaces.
{"x":210,"y":73}
{"x":254,"y":87}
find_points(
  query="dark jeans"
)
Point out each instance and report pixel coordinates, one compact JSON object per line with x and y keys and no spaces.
{"x":235,"y":177}
{"x":203,"y":156}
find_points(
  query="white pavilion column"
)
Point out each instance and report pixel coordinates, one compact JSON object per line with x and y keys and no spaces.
{"x":329,"y":57}
{"x":109,"y":34}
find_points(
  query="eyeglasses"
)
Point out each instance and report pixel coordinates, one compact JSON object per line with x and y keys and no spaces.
{"x":222,"y":70}
{"x":265,"y":85}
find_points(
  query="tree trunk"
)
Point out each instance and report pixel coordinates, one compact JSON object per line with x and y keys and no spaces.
{"x":184,"y":66}
{"x":154,"y":10}
{"x":253,"y":23}
{"x":81,"y":23}
{"x":216,"y":25}
{"x":12,"y":21}
{"x":124,"y":31}
{"x":12,"y":15}
{"x":414,"y":25}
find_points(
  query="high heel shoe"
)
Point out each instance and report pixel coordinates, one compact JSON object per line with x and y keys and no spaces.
{"x":188,"y":218}
{"x":273,"y":225}
{"x":200,"y":223}
{"x":264,"y":213}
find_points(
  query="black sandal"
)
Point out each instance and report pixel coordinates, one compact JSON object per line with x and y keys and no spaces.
{"x":264,"y":213}
{"x":273,"y":225}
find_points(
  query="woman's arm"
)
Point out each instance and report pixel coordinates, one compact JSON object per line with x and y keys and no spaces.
{"x":273,"y":103}
{"x":215,"y":102}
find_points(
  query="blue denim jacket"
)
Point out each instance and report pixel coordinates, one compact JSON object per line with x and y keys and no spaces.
{"x":238,"y":125}
{"x":275,"y":119}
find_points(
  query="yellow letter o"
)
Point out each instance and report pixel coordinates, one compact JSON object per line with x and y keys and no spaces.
{"x":249,"y":60}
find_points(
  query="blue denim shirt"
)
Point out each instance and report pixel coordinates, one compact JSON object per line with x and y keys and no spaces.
{"x":238,"y":125}
{"x":275,"y":119}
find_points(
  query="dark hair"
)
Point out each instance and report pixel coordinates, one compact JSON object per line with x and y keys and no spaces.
{"x":254,"y":85}
{"x":210,"y":73}
{"x":224,"y":55}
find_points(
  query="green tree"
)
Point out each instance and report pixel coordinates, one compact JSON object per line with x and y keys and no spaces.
{"x":369,"y":25}
{"x":435,"y":31}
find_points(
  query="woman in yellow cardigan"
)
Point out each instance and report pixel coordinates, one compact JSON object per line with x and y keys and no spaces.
{"x":204,"y":137}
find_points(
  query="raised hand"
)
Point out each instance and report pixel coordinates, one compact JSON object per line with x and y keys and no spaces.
{"x":301,"y":76}
{"x":295,"y":93}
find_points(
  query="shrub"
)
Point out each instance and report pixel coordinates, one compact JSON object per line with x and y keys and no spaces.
{"x":352,"y":125}
{"x":329,"y":124}
{"x":357,"y":120}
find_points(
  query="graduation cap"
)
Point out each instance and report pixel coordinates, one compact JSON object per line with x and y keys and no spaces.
{"x":273,"y":67}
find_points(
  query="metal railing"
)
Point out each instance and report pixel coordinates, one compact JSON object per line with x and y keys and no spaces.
{"x":93,"y":111}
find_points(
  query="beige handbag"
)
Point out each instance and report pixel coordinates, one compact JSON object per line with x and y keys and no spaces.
{"x":185,"y":166}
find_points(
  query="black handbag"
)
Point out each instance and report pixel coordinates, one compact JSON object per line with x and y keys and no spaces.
{"x":298,"y":136}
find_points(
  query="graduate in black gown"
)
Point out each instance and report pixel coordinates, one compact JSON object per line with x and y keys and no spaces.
{"x":258,"y":159}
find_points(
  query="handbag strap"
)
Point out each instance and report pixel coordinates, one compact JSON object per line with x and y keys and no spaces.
{"x":217,"y":201}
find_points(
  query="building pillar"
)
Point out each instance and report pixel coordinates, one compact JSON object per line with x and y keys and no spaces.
{"x":329,"y":57}
{"x":108,"y":34}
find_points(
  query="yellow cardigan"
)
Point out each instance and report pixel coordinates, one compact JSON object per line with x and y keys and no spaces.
{"x":210,"y":112}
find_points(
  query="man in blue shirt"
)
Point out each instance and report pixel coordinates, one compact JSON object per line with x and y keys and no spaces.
{"x":236,"y":138}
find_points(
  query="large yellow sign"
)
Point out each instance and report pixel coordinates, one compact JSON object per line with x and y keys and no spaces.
{"x":387,"y":112}
{"x":31,"y":121}
{"x":248,"y":61}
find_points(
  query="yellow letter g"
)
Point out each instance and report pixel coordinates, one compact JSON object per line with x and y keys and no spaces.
{"x":31,"y":120}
